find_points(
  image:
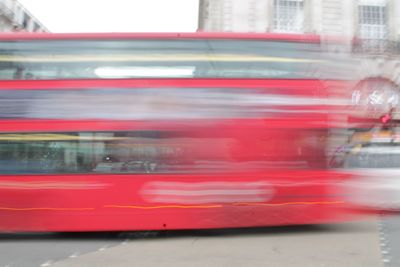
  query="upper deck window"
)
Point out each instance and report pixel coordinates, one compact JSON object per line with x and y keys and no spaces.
{"x":157,"y":58}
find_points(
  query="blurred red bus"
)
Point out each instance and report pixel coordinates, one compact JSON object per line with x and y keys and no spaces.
{"x":166,"y":131}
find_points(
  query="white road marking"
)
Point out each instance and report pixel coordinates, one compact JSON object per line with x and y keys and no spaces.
{"x":126,"y":241}
{"x":102,"y":248}
{"x":47,"y":263}
{"x":74,"y":255}
{"x":385,"y":250}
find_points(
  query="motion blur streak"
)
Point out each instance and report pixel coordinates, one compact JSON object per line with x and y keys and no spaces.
{"x":16,"y":185}
{"x":221,"y":206}
{"x":290,"y":203}
{"x":157,"y":104}
{"x":172,"y":206}
{"x":161,"y":57}
{"x":165,"y":207}
{"x":44,"y":208}
{"x":207,"y":192}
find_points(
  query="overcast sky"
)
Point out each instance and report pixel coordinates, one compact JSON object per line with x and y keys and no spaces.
{"x":115,"y":15}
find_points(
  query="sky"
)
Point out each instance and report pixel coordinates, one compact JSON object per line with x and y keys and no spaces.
{"x":115,"y":15}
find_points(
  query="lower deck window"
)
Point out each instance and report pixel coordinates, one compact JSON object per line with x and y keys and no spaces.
{"x":143,"y":152}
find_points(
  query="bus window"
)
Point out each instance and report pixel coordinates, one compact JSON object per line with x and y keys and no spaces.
{"x":147,"y":152}
{"x":162,"y":58}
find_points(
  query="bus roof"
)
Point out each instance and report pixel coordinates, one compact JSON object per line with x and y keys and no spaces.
{"x":197,"y":35}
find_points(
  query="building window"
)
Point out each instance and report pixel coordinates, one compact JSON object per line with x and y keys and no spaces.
{"x":25,"y":21}
{"x":372,"y":19}
{"x":289,"y":16}
{"x":36,"y":27}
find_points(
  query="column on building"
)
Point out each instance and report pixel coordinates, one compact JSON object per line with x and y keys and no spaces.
{"x":249,"y":16}
{"x":234,"y":15}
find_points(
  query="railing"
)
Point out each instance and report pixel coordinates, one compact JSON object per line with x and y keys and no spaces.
{"x":376,"y":46}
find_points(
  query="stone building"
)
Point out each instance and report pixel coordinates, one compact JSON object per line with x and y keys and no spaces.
{"x":14,"y":17}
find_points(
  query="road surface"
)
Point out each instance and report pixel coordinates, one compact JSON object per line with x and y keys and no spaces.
{"x":351,"y":244}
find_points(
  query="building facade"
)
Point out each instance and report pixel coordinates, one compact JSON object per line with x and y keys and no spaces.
{"x":14,"y":17}
{"x":369,"y":19}
{"x":370,"y":29}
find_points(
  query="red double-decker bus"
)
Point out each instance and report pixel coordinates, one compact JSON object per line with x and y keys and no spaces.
{"x":167,"y":131}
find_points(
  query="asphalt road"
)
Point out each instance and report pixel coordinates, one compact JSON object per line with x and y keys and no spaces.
{"x":390,"y":240}
{"x":43,"y":249}
{"x":351,"y":244}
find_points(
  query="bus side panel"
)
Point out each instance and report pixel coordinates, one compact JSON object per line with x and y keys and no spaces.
{"x":155,"y":202}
